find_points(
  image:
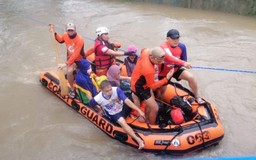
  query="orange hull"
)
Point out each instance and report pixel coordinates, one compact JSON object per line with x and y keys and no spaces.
{"x":205,"y":130}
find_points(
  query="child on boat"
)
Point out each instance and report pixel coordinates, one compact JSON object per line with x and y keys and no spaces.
{"x":113,"y":100}
{"x":131,"y":60}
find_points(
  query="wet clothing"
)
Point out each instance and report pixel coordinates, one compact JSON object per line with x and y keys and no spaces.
{"x":102,"y":60}
{"x":130,"y":65}
{"x":174,"y":57}
{"x":84,"y":82}
{"x":143,"y":76}
{"x":75,"y":47}
{"x":112,"y":105}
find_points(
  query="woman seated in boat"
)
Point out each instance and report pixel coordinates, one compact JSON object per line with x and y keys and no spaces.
{"x":113,"y":101}
{"x":114,"y":75}
{"x":123,"y":82}
{"x":86,"y":85}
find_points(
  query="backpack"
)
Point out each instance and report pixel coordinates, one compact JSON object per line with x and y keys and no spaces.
{"x":183,"y":104}
{"x":177,"y":116}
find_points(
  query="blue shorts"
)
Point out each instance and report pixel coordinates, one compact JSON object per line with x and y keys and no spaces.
{"x":124,"y":113}
{"x":115,"y":117}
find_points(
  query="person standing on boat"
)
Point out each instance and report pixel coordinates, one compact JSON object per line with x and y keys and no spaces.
{"x":75,"y":51}
{"x":113,"y":101}
{"x":176,"y":58}
{"x":105,"y":51}
{"x":86,"y":85}
{"x":131,"y":60}
{"x":143,"y":80}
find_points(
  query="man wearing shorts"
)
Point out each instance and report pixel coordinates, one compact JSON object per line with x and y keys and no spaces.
{"x":176,"y":58}
{"x":143,"y":80}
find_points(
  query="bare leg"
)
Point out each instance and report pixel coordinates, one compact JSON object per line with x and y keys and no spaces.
{"x":152,"y":109}
{"x":185,"y":75}
{"x":130,"y":132}
{"x":70,"y":76}
{"x":136,"y":101}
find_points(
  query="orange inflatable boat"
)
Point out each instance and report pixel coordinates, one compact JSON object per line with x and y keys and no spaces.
{"x":199,"y":128}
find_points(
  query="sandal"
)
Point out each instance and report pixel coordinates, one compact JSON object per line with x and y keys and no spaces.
{"x":71,"y":94}
{"x":199,"y":100}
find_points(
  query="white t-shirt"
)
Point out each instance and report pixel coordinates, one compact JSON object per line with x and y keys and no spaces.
{"x":114,"y":104}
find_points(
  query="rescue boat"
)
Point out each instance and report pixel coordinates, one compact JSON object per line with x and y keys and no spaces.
{"x":198,"y":130}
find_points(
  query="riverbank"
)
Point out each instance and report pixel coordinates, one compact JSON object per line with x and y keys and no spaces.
{"x":240,"y":7}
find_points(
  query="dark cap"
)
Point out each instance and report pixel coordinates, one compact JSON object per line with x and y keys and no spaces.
{"x":173,"y":34}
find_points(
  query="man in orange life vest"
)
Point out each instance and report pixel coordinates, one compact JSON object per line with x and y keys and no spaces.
{"x":75,"y":51}
{"x":143,"y":80}
{"x":176,"y":54}
{"x":104,"y":51}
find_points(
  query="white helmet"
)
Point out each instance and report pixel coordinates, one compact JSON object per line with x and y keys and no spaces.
{"x":101,"y":30}
{"x":70,"y":26}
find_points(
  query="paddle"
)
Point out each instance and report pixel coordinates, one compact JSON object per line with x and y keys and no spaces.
{"x":60,"y":73}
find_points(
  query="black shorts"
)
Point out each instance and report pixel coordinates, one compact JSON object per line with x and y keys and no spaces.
{"x":115,"y":117}
{"x":143,"y":94}
{"x":176,"y":74}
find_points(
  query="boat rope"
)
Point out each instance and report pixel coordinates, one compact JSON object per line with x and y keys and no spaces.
{"x":199,"y":126}
{"x":223,"y":69}
{"x":175,"y":88}
{"x":134,"y":120}
{"x":179,"y":132}
{"x":163,"y":102}
{"x":147,"y":122}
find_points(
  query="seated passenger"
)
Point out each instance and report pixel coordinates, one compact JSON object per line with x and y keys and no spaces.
{"x":112,"y":101}
{"x":86,"y":86}
{"x":114,"y":76}
{"x":131,"y":60}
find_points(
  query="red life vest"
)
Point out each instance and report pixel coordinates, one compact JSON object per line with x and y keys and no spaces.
{"x":172,"y":57}
{"x":102,"y":60}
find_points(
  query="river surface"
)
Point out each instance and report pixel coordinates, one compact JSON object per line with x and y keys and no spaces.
{"x":34,"y":124}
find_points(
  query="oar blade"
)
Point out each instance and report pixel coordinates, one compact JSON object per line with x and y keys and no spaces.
{"x":63,"y":83}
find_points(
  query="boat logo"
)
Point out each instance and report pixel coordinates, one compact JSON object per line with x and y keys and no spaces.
{"x":175,"y":142}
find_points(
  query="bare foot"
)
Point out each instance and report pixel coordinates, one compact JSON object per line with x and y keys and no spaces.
{"x":141,"y":144}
